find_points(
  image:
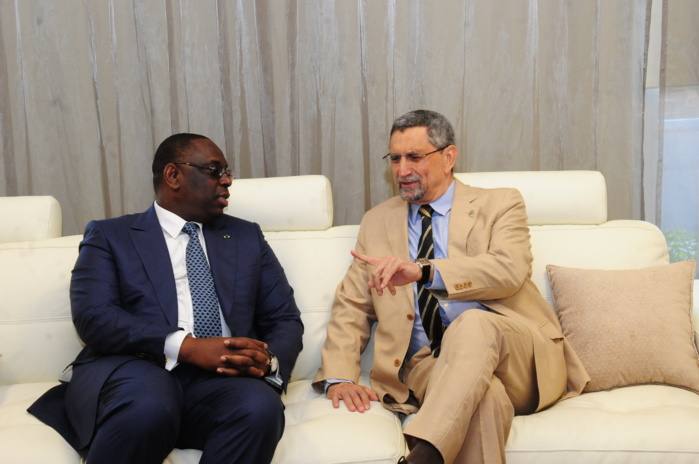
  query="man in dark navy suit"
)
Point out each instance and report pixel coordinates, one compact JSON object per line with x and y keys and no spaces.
{"x":148,"y":379}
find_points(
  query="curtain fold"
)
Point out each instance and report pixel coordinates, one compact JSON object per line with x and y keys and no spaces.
{"x":671,"y":143}
{"x":89,"y":88}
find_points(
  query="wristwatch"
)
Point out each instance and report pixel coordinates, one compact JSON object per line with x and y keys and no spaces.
{"x":426,"y":267}
{"x":273,"y":363}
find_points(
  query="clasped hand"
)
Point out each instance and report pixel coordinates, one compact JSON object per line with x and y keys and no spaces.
{"x":389,"y":272}
{"x":237,"y":356}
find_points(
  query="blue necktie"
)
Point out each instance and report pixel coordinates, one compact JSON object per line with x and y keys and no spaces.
{"x":426,"y":302}
{"x":207,"y":317}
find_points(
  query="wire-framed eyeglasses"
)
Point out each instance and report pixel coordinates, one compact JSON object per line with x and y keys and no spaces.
{"x":413,"y":158}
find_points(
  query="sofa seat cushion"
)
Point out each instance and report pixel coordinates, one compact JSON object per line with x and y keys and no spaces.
{"x":23,"y":438}
{"x":311,"y":433}
{"x":317,"y":433}
{"x":639,"y":424}
{"x":311,"y":418}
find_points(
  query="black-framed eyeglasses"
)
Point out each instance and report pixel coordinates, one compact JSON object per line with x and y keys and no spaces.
{"x":412,"y":158}
{"x":214,"y":171}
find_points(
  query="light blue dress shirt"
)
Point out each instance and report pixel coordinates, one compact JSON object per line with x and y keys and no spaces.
{"x":448,"y":309}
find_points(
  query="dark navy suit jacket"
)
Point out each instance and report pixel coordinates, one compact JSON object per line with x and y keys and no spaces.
{"x":124,"y":305}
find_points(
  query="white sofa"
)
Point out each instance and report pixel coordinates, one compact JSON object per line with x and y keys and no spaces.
{"x":569,"y":227}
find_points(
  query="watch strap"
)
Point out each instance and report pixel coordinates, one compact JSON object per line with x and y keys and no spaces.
{"x":426,"y":268}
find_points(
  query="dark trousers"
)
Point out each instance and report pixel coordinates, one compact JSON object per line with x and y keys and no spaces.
{"x":145,"y":411}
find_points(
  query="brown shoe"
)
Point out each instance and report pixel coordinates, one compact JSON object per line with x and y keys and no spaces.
{"x":423,"y":452}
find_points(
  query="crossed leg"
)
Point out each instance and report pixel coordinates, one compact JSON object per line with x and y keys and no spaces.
{"x":469,"y":395}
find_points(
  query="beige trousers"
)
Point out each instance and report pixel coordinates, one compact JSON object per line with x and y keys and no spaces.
{"x":469,"y":395}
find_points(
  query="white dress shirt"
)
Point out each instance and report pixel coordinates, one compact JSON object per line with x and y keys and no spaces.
{"x":177,"y":242}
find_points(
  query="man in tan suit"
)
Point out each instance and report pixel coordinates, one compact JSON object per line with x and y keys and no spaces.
{"x":463,"y":339}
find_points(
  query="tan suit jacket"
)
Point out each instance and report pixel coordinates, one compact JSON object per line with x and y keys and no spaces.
{"x":489,"y":261}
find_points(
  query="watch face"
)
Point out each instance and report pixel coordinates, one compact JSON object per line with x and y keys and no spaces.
{"x":273,"y":362}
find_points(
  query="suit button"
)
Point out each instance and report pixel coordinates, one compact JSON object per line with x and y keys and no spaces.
{"x":396,"y":363}
{"x":410,"y":316}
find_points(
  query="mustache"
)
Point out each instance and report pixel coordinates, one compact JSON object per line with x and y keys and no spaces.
{"x":413,"y":178}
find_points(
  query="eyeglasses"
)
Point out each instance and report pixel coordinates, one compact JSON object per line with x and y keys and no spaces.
{"x":412,"y":158}
{"x":214,"y":171}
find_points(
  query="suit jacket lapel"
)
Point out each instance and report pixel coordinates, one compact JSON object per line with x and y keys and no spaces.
{"x":463,"y":217}
{"x":221,"y":249}
{"x":148,"y":240}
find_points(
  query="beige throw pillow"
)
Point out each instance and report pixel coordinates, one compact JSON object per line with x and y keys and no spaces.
{"x":630,"y":326}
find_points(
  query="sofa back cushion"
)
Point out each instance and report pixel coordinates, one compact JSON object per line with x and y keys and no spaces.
{"x":37,"y":337}
{"x":621,"y":244}
{"x":283,"y":203}
{"x":552,"y":197}
{"x":27,"y":218}
{"x":567,"y":217}
{"x":314,"y":262}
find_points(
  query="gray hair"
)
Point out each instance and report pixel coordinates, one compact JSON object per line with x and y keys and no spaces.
{"x":439,"y":129}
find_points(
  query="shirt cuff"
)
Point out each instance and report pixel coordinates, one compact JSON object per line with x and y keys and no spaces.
{"x":437,"y":281}
{"x":173,"y":343}
{"x":330,"y":382}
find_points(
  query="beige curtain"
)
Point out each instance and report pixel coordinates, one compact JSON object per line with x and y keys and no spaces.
{"x":88,"y":88}
{"x":671,"y":143}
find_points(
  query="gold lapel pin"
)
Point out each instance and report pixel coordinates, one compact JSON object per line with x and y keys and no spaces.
{"x":471,"y":213}
{"x":226,"y":236}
